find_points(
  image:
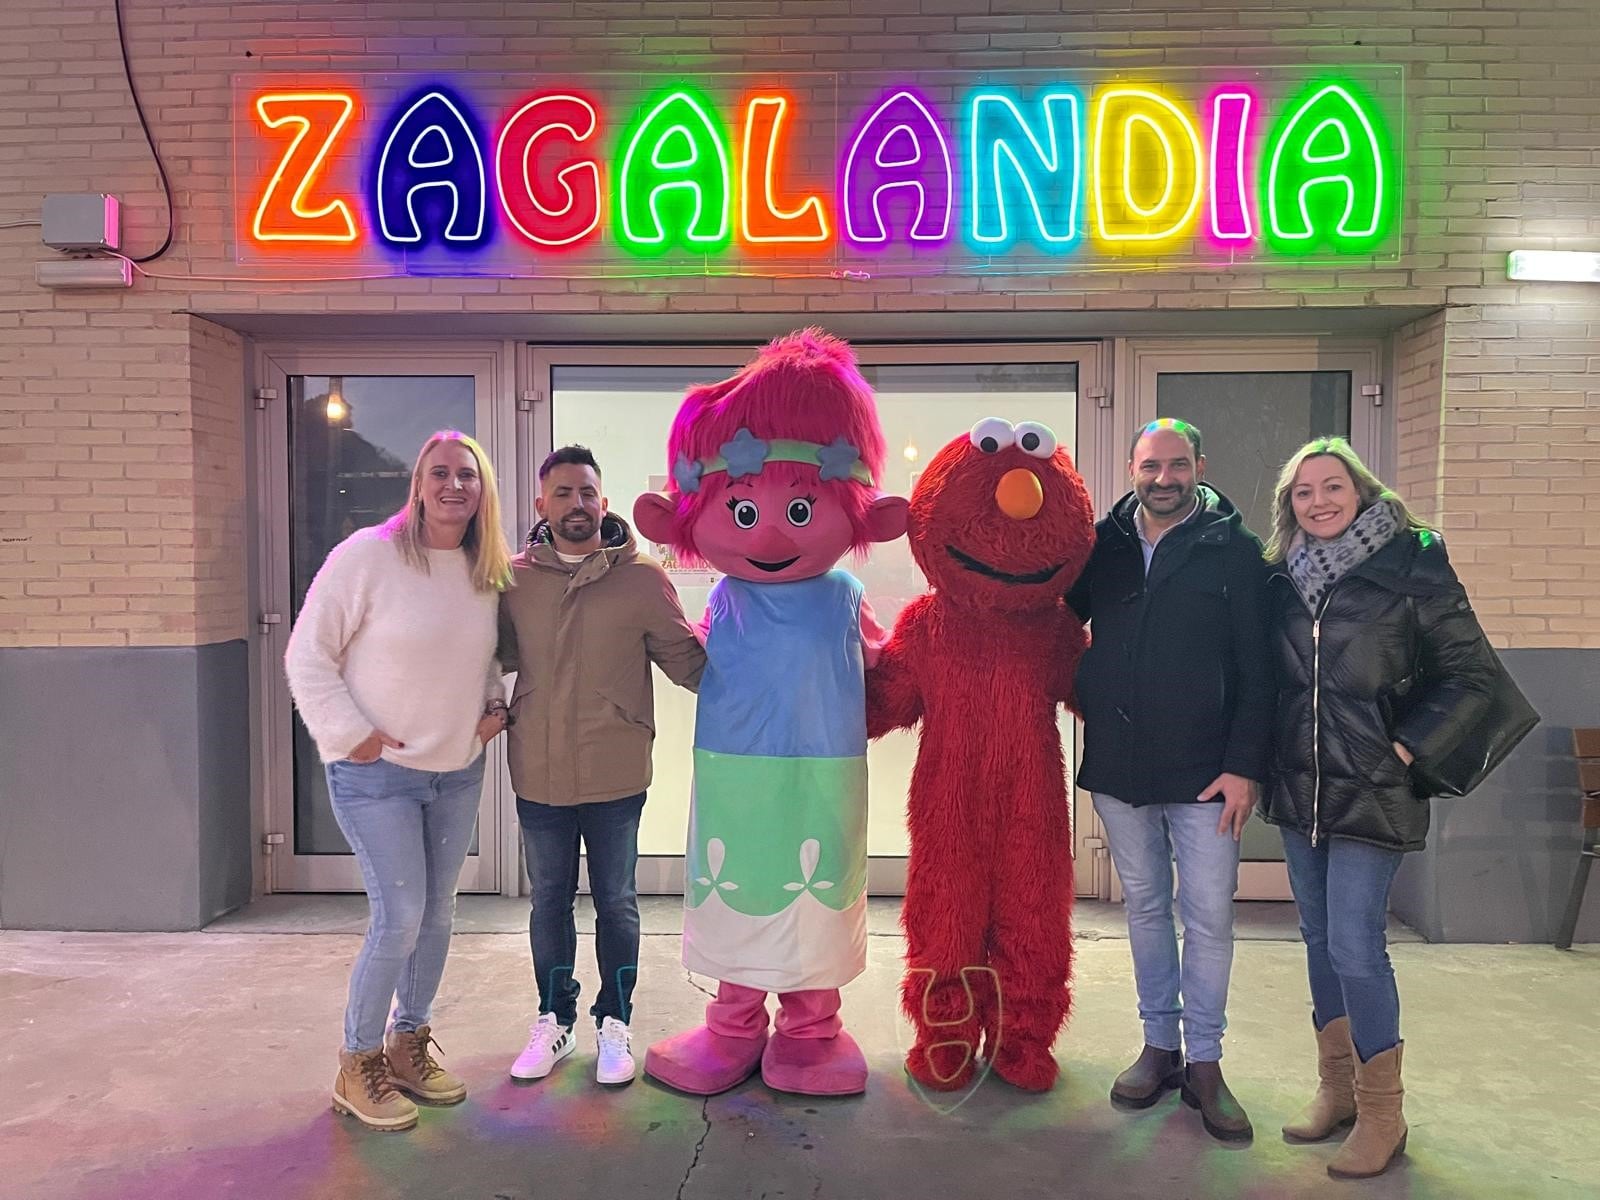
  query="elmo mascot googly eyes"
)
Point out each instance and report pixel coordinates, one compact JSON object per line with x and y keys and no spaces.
{"x":1001,"y":524}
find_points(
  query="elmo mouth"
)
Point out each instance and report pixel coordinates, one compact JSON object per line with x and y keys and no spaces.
{"x":983,"y":568}
{"x":773,"y":567}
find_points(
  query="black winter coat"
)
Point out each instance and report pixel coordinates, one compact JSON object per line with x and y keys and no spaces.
{"x":1395,"y":655}
{"x":1177,"y":684}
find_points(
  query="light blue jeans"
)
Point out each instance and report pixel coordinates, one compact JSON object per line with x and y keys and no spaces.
{"x":1342,"y":890}
{"x":1191,"y":995}
{"x":410,"y":831}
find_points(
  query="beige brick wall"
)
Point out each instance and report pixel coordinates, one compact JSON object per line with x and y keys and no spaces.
{"x":1503,"y":126}
{"x":121,"y":480}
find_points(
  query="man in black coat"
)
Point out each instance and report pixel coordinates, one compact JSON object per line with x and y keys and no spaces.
{"x":1176,"y":692}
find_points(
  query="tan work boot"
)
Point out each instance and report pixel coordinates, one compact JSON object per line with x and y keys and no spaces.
{"x":364,"y":1091}
{"x":1334,"y":1105}
{"x":1380,"y":1132}
{"x":415,"y":1070}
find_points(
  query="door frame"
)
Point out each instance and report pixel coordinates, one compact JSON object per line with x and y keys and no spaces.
{"x":490,"y":363}
{"x":1095,"y":440}
{"x":1138,"y":362}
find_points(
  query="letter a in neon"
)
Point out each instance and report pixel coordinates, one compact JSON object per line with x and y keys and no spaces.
{"x":1328,"y":174}
{"x":898,"y":148}
{"x":1021,"y":182}
{"x":676,"y":182}
{"x":431,"y":164}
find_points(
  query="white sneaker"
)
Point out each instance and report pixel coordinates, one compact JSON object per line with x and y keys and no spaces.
{"x":548,"y":1044}
{"x":616,"y":1058}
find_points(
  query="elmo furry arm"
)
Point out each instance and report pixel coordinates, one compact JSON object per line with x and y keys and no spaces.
{"x":1070,"y":642}
{"x":894,"y":696}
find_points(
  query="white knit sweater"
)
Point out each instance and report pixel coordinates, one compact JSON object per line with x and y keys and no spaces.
{"x":381,"y":645}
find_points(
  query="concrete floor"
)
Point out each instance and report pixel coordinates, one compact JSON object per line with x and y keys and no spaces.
{"x":163,"y":1067}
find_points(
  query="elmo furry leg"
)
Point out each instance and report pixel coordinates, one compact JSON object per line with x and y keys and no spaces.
{"x":1030,"y":949}
{"x":948,"y":992}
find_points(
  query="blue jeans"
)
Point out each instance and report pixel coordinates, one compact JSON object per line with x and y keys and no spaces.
{"x":609,"y":832}
{"x":1342,"y":890}
{"x":410,"y":831}
{"x":1144,"y":841}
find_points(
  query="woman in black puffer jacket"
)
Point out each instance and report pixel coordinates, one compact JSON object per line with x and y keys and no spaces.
{"x":1381,"y":661}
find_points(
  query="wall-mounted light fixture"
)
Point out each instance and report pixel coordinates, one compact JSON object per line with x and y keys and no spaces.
{"x":1554,"y":266}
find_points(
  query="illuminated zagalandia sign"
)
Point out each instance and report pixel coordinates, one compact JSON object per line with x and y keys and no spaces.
{"x":496,"y":174}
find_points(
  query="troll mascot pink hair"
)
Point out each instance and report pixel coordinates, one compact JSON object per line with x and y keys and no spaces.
{"x":774,"y":473}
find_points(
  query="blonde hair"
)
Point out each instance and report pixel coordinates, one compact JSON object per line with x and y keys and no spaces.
{"x":1369,"y":490}
{"x":485,"y":543}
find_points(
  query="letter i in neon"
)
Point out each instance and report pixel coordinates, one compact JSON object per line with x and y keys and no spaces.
{"x":1230,"y":204}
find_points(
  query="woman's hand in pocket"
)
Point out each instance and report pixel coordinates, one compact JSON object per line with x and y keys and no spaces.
{"x":370,"y":748}
{"x":491,"y":725}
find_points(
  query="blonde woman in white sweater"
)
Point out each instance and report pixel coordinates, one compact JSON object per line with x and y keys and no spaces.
{"x":391,"y":664}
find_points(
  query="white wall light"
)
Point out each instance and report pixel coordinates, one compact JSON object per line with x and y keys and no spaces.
{"x":1555,"y":266}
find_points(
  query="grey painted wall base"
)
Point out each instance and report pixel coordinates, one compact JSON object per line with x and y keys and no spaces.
{"x":124,"y":787}
{"x":1499,"y":863}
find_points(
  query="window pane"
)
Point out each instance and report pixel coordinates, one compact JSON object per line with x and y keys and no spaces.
{"x":352,"y":441}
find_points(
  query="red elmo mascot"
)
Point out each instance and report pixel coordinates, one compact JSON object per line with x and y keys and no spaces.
{"x":1001,"y":524}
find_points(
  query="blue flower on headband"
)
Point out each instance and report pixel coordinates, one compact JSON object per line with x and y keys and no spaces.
{"x":745,"y":455}
{"x":686,"y":474}
{"x":838,"y":459}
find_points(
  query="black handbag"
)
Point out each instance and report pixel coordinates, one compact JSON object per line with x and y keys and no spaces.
{"x":1508,"y":719}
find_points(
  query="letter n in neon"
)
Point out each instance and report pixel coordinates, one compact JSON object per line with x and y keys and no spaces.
{"x":1022,"y":182}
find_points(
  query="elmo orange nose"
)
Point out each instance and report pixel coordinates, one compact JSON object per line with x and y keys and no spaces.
{"x":1019,"y":494}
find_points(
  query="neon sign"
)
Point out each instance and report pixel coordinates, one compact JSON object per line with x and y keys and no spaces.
{"x":484,"y":173}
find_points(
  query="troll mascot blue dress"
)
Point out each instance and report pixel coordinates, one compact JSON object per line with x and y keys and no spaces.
{"x":774,"y":474}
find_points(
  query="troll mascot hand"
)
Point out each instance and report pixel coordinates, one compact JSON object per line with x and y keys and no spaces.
{"x":1001,"y":524}
{"x":774,"y":473}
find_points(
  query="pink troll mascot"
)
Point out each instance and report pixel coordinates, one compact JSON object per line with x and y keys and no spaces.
{"x":774,"y":474}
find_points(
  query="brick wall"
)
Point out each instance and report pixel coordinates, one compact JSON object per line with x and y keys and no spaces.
{"x":1503,"y":126}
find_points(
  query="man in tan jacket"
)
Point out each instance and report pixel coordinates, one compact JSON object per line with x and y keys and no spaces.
{"x":584,"y":618}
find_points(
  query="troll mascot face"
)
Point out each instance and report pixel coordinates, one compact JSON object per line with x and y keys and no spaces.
{"x":773,"y":474}
{"x":1001,"y":524}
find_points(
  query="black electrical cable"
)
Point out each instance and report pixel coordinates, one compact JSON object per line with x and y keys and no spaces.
{"x":161,"y":167}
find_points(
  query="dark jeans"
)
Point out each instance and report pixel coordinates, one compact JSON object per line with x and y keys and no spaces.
{"x":610,"y":834}
{"x":1342,"y":890}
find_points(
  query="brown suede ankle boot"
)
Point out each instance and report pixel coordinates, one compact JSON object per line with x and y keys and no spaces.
{"x":1334,"y":1105}
{"x":363,"y":1089}
{"x":1380,"y":1133}
{"x":414,"y":1069}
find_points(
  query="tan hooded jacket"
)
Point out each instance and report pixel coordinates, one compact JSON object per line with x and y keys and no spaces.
{"x":581,"y":639}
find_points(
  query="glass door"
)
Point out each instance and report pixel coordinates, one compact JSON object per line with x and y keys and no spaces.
{"x":1256,"y":403}
{"x":340,"y":435}
{"x":620,"y":403}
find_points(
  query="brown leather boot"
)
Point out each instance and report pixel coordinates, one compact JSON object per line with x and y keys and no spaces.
{"x":363,"y":1090}
{"x":1153,"y":1074}
{"x":416,"y":1071}
{"x":1224,"y":1117}
{"x":1334,"y":1105}
{"x":1380,"y":1133}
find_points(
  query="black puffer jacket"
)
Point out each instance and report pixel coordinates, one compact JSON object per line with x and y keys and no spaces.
{"x":1396,"y":656}
{"x":1176,"y":686}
